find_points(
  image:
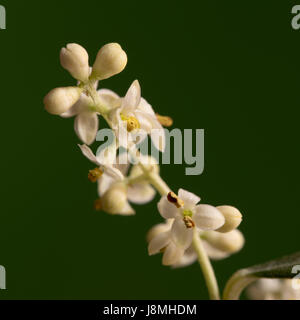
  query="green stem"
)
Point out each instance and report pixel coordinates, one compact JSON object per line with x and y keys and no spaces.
{"x":207,"y":269}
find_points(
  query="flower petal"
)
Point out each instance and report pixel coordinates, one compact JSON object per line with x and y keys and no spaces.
{"x":86,"y":126}
{"x":159,"y":242}
{"x":158,"y":229}
{"x":190,"y":199}
{"x":167,"y":209}
{"x":88,"y":153}
{"x":127,"y":210}
{"x":181,"y":235}
{"x":123,"y":162}
{"x":109,"y":98}
{"x":172,"y":254}
{"x":140,"y":193}
{"x":132,"y":98}
{"x":104,"y":183}
{"x":214,"y":253}
{"x":113,"y":172}
{"x":208,"y":217}
{"x":146,"y":107}
{"x":187,"y":259}
{"x":108,"y":155}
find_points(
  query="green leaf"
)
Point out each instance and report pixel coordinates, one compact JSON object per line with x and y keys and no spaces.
{"x":277,"y":268}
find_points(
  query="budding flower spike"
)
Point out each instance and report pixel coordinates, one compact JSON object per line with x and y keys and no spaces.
{"x":124,"y":176}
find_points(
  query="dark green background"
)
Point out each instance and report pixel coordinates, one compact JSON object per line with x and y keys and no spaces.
{"x":229,"y":67}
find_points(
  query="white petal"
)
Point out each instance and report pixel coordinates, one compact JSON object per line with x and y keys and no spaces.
{"x":127,"y":210}
{"x":108,"y":155}
{"x":104,"y":183}
{"x":172,"y":254}
{"x":132,"y":98}
{"x":109,"y":98}
{"x":86,"y":126}
{"x":189,"y":198}
{"x":181,"y":235}
{"x":88,"y":153}
{"x":208,"y":217}
{"x":144,"y":120}
{"x":113,"y":172}
{"x":146,"y":107}
{"x":166,"y":209}
{"x":159,"y":242}
{"x":158,"y":229}
{"x":122,"y":134}
{"x":187,"y":259}
{"x":123,"y":162}
{"x":140,"y":193}
{"x":214,"y":253}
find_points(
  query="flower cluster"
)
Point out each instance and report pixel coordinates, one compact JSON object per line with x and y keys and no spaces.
{"x":189,"y":227}
{"x":184,"y":217}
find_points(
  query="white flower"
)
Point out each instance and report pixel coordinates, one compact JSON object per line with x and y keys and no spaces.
{"x":139,"y":191}
{"x":136,"y":118}
{"x":86,"y":123}
{"x":188,"y":214}
{"x":273,"y":289}
{"x":105,"y":163}
{"x":75,"y":59}
{"x":227,"y":244}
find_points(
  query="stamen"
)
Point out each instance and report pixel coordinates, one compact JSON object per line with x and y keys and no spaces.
{"x":132,"y":123}
{"x":164,"y":120}
{"x":95,"y":174}
{"x":173,"y":198}
{"x":98,"y":205}
{"x":188,"y":221}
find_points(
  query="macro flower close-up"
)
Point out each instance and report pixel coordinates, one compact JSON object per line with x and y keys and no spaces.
{"x":159,"y":157}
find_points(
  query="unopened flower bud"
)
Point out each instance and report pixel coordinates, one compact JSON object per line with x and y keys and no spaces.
{"x":114,"y":199}
{"x":60,"y":100}
{"x":232,"y":216}
{"x":75,"y":59}
{"x":229,"y":242}
{"x":111,"y":60}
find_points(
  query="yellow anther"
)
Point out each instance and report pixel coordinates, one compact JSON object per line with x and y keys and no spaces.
{"x":132,"y":123}
{"x":95,"y":174}
{"x":188,"y":221}
{"x":173,"y":198}
{"x":164,"y":120}
{"x":98,"y":205}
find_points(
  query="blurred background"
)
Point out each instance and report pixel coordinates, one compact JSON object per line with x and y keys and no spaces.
{"x":226,"y":67}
